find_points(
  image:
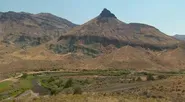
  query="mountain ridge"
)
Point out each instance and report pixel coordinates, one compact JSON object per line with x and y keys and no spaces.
{"x":104,"y":42}
{"x":106,"y":29}
{"x":179,"y":37}
{"x":31,"y":29}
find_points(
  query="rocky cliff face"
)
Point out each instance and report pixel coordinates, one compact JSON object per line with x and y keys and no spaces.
{"x":106,"y":30}
{"x":31,"y":29}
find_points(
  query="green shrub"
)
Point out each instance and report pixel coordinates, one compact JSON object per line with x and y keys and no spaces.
{"x":25,"y":75}
{"x":161,"y":77}
{"x":68,"y":83}
{"x":60,"y":83}
{"x":150,"y":77}
{"x":138,"y":79}
{"x":51,"y":79}
{"x":77,"y":90}
{"x":54,"y":91}
{"x":86,"y":81}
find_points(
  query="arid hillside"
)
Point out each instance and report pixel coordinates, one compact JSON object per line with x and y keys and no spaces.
{"x":102,"y":43}
{"x":24,"y":29}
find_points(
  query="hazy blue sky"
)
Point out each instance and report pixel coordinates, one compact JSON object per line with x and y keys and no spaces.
{"x":166,"y":15}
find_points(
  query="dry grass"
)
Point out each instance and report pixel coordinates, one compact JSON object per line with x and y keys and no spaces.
{"x":95,"y":98}
{"x":126,"y":57}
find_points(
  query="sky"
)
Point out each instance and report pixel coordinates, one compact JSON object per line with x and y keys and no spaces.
{"x":166,"y":15}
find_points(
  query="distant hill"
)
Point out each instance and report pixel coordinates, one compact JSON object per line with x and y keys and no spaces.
{"x":23,"y":29}
{"x":179,"y":37}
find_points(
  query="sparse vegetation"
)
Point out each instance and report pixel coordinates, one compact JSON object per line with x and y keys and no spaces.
{"x":24,"y":75}
{"x":68,"y":83}
{"x":150,"y":77}
{"x":77,"y":90}
{"x":79,"y":82}
{"x":138,"y":79}
{"x":57,"y":85}
{"x":16,"y":88}
{"x":161,"y":77}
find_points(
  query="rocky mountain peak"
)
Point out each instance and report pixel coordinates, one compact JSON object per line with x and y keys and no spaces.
{"x":107,"y":13}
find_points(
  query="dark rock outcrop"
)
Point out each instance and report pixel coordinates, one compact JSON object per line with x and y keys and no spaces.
{"x":107,"y":13}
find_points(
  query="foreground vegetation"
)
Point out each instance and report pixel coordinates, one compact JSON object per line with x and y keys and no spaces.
{"x":110,"y":85}
{"x":97,"y":98}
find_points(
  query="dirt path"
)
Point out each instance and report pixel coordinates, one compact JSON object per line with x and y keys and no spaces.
{"x":40,"y":72}
{"x":29,"y":73}
{"x":12,"y":78}
{"x":122,"y":87}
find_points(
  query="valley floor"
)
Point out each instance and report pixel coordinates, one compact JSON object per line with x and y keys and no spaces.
{"x":94,"y":85}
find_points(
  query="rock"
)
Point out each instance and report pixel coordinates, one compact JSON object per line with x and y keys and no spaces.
{"x":107,"y":13}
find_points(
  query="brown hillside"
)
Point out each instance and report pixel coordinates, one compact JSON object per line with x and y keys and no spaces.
{"x":126,"y":57}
